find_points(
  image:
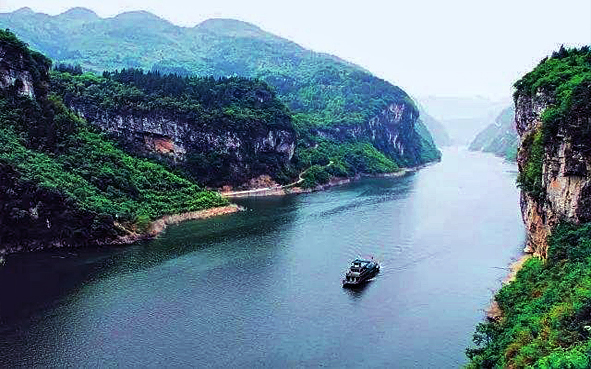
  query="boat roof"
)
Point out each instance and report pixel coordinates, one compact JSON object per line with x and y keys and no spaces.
{"x":360,"y":261}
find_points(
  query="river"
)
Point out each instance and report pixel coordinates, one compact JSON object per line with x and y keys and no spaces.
{"x":262,"y":288}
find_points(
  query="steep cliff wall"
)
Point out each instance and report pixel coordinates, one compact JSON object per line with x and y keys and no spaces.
{"x":553,"y":120}
{"x":22,"y":72}
{"x":392,"y":132}
{"x":246,"y":154}
{"x":545,"y":311}
{"x":220,"y":132}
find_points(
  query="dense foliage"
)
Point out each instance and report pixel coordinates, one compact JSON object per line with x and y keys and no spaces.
{"x":61,"y":179}
{"x":565,"y":78}
{"x":224,"y":103}
{"x":329,"y":159}
{"x":546,"y":311}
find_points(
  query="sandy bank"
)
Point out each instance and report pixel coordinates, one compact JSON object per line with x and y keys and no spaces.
{"x":158,"y":226}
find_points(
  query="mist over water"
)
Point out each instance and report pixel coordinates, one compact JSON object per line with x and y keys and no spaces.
{"x":263,"y":287}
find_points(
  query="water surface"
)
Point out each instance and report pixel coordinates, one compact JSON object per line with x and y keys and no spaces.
{"x":262,"y":288}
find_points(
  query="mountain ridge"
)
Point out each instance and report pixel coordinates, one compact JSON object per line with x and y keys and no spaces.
{"x":330,"y":98}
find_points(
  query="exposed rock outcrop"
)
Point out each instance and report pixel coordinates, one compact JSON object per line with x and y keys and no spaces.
{"x":566,"y":185}
{"x":15,"y":72}
{"x":392,"y":132}
{"x":176,"y":140}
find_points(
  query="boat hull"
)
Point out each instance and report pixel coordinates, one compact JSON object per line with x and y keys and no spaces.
{"x":362,"y":279}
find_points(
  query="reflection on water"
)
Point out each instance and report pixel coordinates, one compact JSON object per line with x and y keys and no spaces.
{"x":356,"y":292}
{"x":263,"y":287}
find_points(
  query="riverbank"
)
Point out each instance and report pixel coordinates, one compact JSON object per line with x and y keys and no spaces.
{"x":154,"y":229}
{"x":294,"y":189}
{"x":158,"y":226}
{"x":494,"y":312}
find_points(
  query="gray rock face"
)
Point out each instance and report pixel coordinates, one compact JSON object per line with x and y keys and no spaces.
{"x":566,"y":181}
{"x":392,"y":132}
{"x":175,"y":139}
{"x":15,"y":75}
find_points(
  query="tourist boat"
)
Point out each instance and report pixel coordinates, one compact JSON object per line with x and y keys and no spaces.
{"x":360,"y":272}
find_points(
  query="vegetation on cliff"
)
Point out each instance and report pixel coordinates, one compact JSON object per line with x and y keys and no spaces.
{"x":244,"y":108}
{"x":530,"y":176}
{"x":546,"y":320}
{"x":328,"y":159}
{"x":63,"y":182}
{"x":565,"y":79}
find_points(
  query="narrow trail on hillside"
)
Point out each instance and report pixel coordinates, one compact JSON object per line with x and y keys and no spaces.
{"x":272,"y":189}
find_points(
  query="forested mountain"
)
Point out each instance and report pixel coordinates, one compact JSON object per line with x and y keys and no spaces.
{"x":332,"y":100}
{"x":500,"y":137}
{"x":62,"y":183}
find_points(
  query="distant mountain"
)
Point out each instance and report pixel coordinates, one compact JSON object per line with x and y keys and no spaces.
{"x":463,"y":117}
{"x":500,"y":137}
{"x":332,"y":100}
{"x":435,"y":127}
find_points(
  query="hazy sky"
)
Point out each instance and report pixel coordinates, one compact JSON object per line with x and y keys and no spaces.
{"x":437,"y":47}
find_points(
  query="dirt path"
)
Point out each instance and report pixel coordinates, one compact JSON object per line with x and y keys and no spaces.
{"x":277,"y":190}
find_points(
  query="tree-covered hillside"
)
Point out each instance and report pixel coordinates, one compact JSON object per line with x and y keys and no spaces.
{"x":323,"y":91}
{"x":500,"y":137}
{"x":61,"y":181}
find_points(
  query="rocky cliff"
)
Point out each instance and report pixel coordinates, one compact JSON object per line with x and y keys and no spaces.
{"x":247,"y":154}
{"x":220,"y":132}
{"x":543,"y":315}
{"x":553,"y":119}
{"x":22,"y":72}
{"x":392,"y":132}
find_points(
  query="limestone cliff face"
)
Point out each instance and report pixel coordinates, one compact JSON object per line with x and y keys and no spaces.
{"x":566,"y":184}
{"x":246,"y":154}
{"x":392,"y":132}
{"x":14,"y":73}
